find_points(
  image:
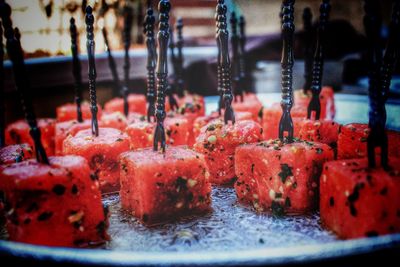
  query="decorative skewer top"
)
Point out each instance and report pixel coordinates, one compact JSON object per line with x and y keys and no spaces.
{"x":15,"y":53}
{"x":148,"y":29}
{"x":128,"y":19}
{"x":235,"y":55}
{"x":90,"y":46}
{"x":224,"y":61}
{"x":242,"y":52}
{"x":308,"y":52}
{"x":179,"y":58}
{"x":286,"y":122}
{"x":162,"y":72}
{"x":318,"y":63}
{"x":76,"y":69}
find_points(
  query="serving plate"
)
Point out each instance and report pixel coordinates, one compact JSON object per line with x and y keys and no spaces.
{"x":231,"y":234}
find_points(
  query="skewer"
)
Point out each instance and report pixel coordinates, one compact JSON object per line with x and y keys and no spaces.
{"x":2,"y":93}
{"x":286,"y":122}
{"x":76,"y":69}
{"x":308,"y":52}
{"x":151,"y":61}
{"x":15,"y":53}
{"x":139,"y":39}
{"x":242,"y":55}
{"x":128,"y":19}
{"x":90,"y":46}
{"x":179,"y":59}
{"x":318,"y":64}
{"x":164,"y":7}
{"x":219,"y":69}
{"x":172,"y":84}
{"x":224,"y":62}
{"x":235,"y":57}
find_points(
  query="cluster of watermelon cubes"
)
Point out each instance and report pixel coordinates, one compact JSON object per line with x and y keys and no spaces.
{"x":217,"y":142}
{"x":137,"y":104}
{"x":158,"y":187}
{"x":18,"y":133}
{"x":101,"y":152}
{"x":280,"y":178}
{"x":358,"y":201}
{"x":53,"y":205}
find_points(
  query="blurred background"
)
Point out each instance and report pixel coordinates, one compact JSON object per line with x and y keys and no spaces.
{"x":44,"y":26}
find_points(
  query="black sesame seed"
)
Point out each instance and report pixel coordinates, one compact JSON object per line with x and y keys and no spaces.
{"x":74,"y":189}
{"x":45,"y":216}
{"x":371,"y":234}
{"x":384,"y":191}
{"x":331,"y":201}
{"x":27,"y":221}
{"x":59,"y":189}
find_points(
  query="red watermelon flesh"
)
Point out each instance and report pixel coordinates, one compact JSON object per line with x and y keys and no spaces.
{"x":352,"y":141}
{"x":67,"y":112}
{"x":141,"y":133}
{"x":249,"y":104}
{"x":116,"y":120}
{"x":357,"y":201}
{"x":15,"y":153}
{"x":53,"y":205}
{"x":137,"y":103}
{"x":68,"y":128}
{"x":102,"y":153}
{"x":322,"y":131}
{"x":135,"y":117}
{"x":217,"y":142}
{"x":272,"y":116}
{"x":158,"y":187}
{"x":18,"y":133}
{"x":327,"y":101}
{"x":282,"y":178}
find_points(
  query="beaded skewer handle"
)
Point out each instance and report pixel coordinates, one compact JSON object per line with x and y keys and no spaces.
{"x":219,"y":68}
{"x":286,"y":122}
{"x":15,"y":53}
{"x":308,"y":52}
{"x":224,"y":62}
{"x":179,"y":59}
{"x":242,"y":55}
{"x":90,"y":46}
{"x":318,"y":64}
{"x":139,"y":21}
{"x":128,"y":20}
{"x":76,"y":69}
{"x":235,"y":57}
{"x":151,"y":62}
{"x":2,"y":94}
{"x":162,"y":73}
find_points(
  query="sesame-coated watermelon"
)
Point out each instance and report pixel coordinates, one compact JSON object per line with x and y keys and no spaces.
{"x":217,"y":142}
{"x":358,"y":201}
{"x":322,"y":131}
{"x":141,"y":133}
{"x":18,"y":133}
{"x":65,"y":129}
{"x":282,"y":178}
{"x":15,"y":153}
{"x":137,"y":103}
{"x":101,"y":152}
{"x":352,"y":141}
{"x":68,"y":112}
{"x":158,"y":187}
{"x":327,"y":101}
{"x":116,"y":120}
{"x":53,"y":205}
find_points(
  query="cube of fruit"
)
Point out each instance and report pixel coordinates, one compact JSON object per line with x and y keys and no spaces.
{"x":135,"y":117}
{"x":102,"y":153}
{"x":54,"y":205}
{"x":68,"y":112}
{"x":282,"y":178}
{"x":352,"y":141}
{"x":18,"y":133}
{"x":141,"y":133}
{"x":327,"y":101}
{"x":137,"y":103}
{"x":272,"y":116}
{"x":65,"y":129}
{"x":160,"y":187}
{"x":249,"y":104}
{"x":322,"y":131}
{"x":15,"y":153}
{"x":116,"y":120}
{"x":217,"y":142}
{"x":358,"y":201}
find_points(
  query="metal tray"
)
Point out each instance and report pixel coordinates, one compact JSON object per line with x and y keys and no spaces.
{"x":231,"y":234}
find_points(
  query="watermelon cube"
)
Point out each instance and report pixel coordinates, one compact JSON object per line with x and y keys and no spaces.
{"x":322,"y":131}
{"x":158,"y":187}
{"x":68,"y":112}
{"x":53,"y":205}
{"x":15,"y":153}
{"x":65,"y":129}
{"x":250,"y":104}
{"x":141,"y":133}
{"x":116,"y":120}
{"x":327,"y":101}
{"x":217,"y":142}
{"x":352,"y":141}
{"x":18,"y":133}
{"x":281,"y":178}
{"x":137,"y":103}
{"x":102,"y":153}
{"x":357,"y":201}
